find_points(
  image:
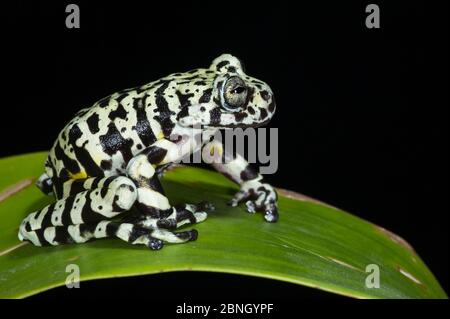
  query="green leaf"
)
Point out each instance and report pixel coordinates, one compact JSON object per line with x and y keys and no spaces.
{"x":313,"y":244}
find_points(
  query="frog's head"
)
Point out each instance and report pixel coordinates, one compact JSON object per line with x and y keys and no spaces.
{"x":226,"y":97}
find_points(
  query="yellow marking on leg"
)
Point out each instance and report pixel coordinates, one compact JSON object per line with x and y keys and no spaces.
{"x":79,"y":175}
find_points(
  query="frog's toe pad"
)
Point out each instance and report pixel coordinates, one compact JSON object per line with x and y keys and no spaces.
{"x":271,"y":214}
{"x":205,"y":206}
{"x":155,"y":244}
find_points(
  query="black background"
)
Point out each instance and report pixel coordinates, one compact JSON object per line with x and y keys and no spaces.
{"x":362,"y":113}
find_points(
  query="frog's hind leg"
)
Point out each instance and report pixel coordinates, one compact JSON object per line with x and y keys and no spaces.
{"x":107,"y":198}
{"x":131,"y":233}
{"x":181,"y":215}
{"x":151,"y":201}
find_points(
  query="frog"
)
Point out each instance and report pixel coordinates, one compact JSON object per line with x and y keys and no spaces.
{"x":104,"y":168}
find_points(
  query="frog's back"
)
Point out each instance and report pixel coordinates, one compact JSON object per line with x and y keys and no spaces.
{"x":100,"y":140}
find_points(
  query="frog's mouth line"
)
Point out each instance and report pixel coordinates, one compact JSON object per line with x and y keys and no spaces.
{"x":231,"y":126}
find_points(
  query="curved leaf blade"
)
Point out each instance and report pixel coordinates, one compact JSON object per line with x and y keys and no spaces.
{"x":313,"y":244}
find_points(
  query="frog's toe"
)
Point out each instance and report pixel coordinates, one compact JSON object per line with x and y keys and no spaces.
{"x":239,"y":197}
{"x":271,"y":213}
{"x":155,"y":244}
{"x":205,"y":206}
{"x":191,"y":214}
{"x":251,"y":207}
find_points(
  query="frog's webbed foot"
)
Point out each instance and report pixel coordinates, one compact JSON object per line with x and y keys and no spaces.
{"x":155,"y":238}
{"x":178,"y":216}
{"x":258,"y":197}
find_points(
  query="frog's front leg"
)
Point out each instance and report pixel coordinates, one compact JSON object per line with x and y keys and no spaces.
{"x":258,"y":196}
{"x":154,"y":207}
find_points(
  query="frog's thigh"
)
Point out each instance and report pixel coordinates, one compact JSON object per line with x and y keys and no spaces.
{"x":75,"y":186}
{"x":129,"y":232}
{"x":151,"y":200}
{"x":178,"y":216}
{"x":115,"y":196}
{"x":150,"y":195}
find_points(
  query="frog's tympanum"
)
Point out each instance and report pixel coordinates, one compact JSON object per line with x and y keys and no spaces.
{"x":107,"y":159}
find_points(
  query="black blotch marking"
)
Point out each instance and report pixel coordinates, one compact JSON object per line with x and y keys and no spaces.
{"x":87,"y":213}
{"x":104,"y":102}
{"x":251,"y":110}
{"x":156,"y":154}
{"x":119,"y":112}
{"x":248,"y":173}
{"x":263,"y":113}
{"x":136,"y":232}
{"x":77,"y":187}
{"x":142,"y":126}
{"x":265,"y":95}
{"x":57,"y":186}
{"x":62,"y":236}
{"x":112,"y":142}
{"x":232,"y":69}
{"x":215,"y":115}
{"x":86,"y":230}
{"x":69,"y":164}
{"x":106,"y":164}
{"x":65,"y":215}
{"x":122,"y":95}
{"x":82,"y":154}
{"x":272,"y":105}
{"x":239,"y":116}
{"x":206,"y":96}
{"x":184,"y":98}
{"x":222,"y":64}
{"x":47,"y":220}
{"x":250,"y":95}
{"x":92,"y":123}
{"x":184,"y":104}
{"x":155,"y":184}
{"x":163,"y":110}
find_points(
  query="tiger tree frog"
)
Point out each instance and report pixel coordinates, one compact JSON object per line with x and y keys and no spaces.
{"x":107,"y":158}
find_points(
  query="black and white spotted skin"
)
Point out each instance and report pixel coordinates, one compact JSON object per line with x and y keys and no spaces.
{"x":107,"y":158}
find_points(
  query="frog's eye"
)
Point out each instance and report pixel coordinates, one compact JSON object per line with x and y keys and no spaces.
{"x":234,"y":94}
